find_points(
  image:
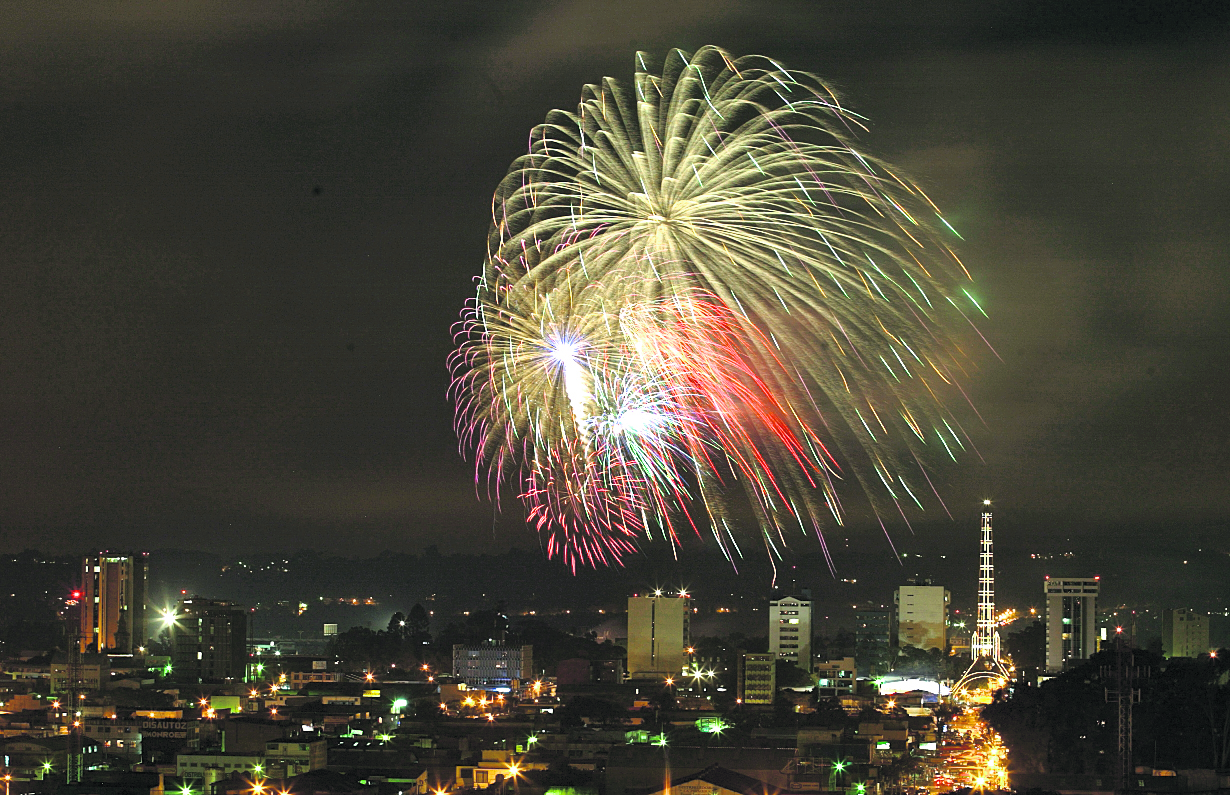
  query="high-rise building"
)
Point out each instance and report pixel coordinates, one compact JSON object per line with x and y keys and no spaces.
{"x":1071,"y":620}
{"x":1185,"y":633}
{"x":113,"y":592}
{"x":922,"y":615}
{"x":757,"y":678}
{"x":659,"y":632}
{"x":873,"y":637}
{"x":493,"y":666}
{"x":790,"y":630}
{"x":209,"y":640}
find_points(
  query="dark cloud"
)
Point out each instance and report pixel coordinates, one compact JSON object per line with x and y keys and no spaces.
{"x":234,"y":239}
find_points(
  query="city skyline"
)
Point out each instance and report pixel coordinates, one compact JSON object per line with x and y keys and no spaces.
{"x":236,"y":246}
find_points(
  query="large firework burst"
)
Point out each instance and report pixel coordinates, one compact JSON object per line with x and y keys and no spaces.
{"x":697,"y":282}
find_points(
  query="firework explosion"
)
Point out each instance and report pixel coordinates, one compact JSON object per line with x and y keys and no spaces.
{"x":698,"y":284}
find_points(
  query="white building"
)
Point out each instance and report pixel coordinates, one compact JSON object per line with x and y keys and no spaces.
{"x":493,"y":667}
{"x":1185,"y":633}
{"x":659,"y":633}
{"x":922,"y":615}
{"x":1071,"y":620}
{"x":790,"y":631}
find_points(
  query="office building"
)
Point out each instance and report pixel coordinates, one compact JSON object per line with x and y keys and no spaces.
{"x":209,"y":640}
{"x":874,"y":631}
{"x":1071,"y":620}
{"x":494,"y":666}
{"x":834,"y":678}
{"x":659,"y":632}
{"x":1185,"y":633}
{"x":922,"y":615}
{"x":790,"y":630}
{"x":757,"y":678}
{"x":113,"y":592}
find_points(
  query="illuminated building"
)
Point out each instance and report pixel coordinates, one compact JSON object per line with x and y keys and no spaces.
{"x":1071,"y":626}
{"x":493,"y":666}
{"x":209,"y":640}
{"x":834,"y":678}
{"x":113,"y":589}
{"x":659,"y":632}
{"x":1185,"y":633}
{"x":922,"y":615}
{"x":757,"y":678}
{"x":790,"y":630}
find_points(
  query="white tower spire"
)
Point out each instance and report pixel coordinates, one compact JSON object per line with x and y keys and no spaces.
{"x":986,"y":636}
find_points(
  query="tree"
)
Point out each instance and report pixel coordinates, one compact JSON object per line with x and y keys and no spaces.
{"x":1027,"y":646}
{"x":790,"y":675}
{"x":418,"y":630}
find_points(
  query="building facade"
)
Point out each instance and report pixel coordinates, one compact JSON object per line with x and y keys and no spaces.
{"x":294,"y":756}
{"x":93,"y":672}
{"x":874,"y":631}
{"x":835,"y":678}
{"x":209,"y":640}
{"x":659,"y":633}
{"x":493,"y":667}
{"x":790,"y":630}
{"x":922,"y":615}
{"x":1071,"y":620}
{"x":113,"y":594}
{"x":1185,"y":633}
{"x":757,"y":678}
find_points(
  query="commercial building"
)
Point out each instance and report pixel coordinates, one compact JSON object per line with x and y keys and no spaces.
{"x":1185,"y":633}
{"x":293,"y":756}
{"x":1071,"y":625}
{"x":209,"y":640}
{"x":495,"y":667}
{"x":208,"y":767}
{"x":922,"y":615}
{"x":757,"y":678}
{"x":790,"y":630}
{"x":113,"y":593}
{"x":93,"y":672}
{"x":835,"y":678}
{"x":659,"y":633}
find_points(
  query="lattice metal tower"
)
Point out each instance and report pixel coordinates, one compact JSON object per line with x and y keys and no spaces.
{"x":986,"y":637}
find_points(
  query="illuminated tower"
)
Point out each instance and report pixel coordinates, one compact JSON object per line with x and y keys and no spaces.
{"x":987,"y":672}
{"x":986,"y":637}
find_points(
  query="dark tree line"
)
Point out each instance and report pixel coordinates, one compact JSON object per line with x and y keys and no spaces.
{"x":1066,"y":725}
{"x":408,"y":642}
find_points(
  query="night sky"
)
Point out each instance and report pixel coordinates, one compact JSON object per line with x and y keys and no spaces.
{"x":234,"y":237}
